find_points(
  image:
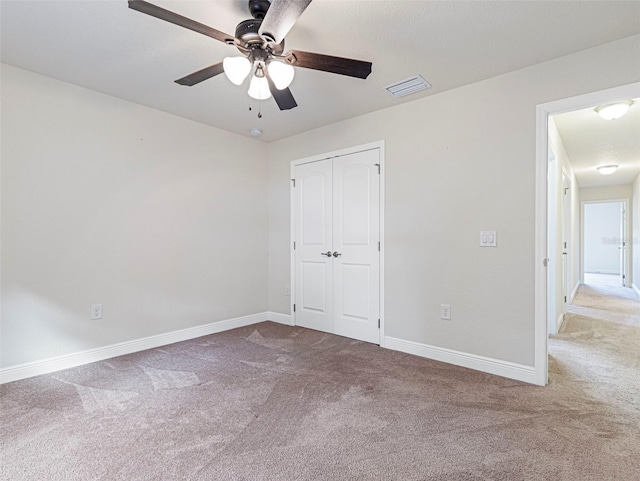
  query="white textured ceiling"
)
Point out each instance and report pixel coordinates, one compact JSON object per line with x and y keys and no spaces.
{"x":591,"y":141}
{"x":107,"y":47}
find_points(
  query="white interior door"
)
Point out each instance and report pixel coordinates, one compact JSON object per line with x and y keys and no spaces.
{"x":356,"y":233}
{"x":566,"y":240}
{"x":336,"y":245}
{"x":313,"y":233}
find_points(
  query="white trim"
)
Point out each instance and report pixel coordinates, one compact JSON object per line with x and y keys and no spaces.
{"x":542,"y":152}
{"x":472,"y":361}
{"x":635,"y":288}
{"x":575,"y":291}
{"x":559,"y":323}
{"x":279,"y":318}
{"x":380,"y":144}
{"x":383,"y":175}
{"x":45,"y":366}
{"x":541,"y":270}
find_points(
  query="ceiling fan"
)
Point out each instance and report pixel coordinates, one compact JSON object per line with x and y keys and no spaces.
{"x":260,"y":40}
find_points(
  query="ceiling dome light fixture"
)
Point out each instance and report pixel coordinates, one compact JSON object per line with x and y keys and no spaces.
{"x":607,"y":169}
{"x":614,"y":111}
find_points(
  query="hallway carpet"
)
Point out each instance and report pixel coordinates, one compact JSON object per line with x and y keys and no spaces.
{"x":272,"y":402}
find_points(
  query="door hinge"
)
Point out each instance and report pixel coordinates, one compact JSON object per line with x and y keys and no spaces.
{"x":565,"y":298}
{"x":623,"y":276}
{"x":378,"y":323}
{"x":294,"y":245}
{"x":378,"y":166}
{"x":378,"y":246}
{"x":294,"y":308}
{"x":294,"y":182}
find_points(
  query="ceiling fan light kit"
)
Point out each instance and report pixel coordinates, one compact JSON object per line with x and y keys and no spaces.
{"x":260,"y":40}
{"x":259,"y":87}
{"x":236,"y":69}
{"x":614,"y":111}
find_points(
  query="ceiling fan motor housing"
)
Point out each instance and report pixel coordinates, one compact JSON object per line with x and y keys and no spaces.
{"x":247,"y":36}
{"x":258,"y":8}
{"x":247,"y":32}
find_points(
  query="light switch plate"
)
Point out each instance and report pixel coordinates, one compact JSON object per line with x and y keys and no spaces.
{"x":488,"y":238}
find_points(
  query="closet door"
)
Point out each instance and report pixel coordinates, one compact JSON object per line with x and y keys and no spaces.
{"x":336,"y":234}
{"x":356,"y":232}
{"x":313,"y":234}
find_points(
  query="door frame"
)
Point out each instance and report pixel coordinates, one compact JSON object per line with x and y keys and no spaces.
{"x":541,"y":258}
{"x":567,"y":241}
{"x":329,"y":155}
{"x":625,"y":226}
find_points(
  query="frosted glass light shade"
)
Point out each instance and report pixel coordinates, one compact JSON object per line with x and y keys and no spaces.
{"x":259,"y":88}
{"x":236,"y":69}
{"x":281,"y":74}
{"x":607,"y":169}
{"x":614,"y":111}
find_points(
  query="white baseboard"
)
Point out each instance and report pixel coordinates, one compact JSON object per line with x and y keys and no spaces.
{"x":635,"y":288}
{"x":479,"y":363}
{"x":280,"y":318}
{"x":45,"y":366}
{"x":559,"y":323}
{"x":575,"y":291}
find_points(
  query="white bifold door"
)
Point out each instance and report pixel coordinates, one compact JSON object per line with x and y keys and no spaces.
{"x":336,"y":226}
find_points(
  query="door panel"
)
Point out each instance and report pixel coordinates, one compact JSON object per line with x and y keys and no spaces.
{"x":354,"y":193}
{"x":356,"y":214}
{"x":356,"y":281}
{"x":314,"y":206}
{"x":314,"y":280}
{"x":313,"y":231}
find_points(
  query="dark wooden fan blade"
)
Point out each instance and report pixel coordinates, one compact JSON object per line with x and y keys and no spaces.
{"x":327,"y":63}
{"x":284,"y":98}
{"x":280,"y":17}
{"x":201,"y":75}
{"x":168,"y":16}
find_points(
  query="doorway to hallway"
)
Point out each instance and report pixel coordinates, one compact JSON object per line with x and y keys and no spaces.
{"x":604,"y":243}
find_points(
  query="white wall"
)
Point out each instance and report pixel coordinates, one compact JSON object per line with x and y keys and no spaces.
{"x":635,"y":229}
{"x":602,"y":227}
{"x":160,"y":219}
{"x":458,"y":162}
{"x":612,"y":192}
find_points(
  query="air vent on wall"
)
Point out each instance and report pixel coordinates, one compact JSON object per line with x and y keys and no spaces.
{"x":408,"y":86}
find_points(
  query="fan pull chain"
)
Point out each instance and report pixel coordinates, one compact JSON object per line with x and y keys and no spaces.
{"x":259,"y":109}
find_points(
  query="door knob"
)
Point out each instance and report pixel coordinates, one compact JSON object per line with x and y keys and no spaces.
{"x":336,"y":254}
{"x":328,"y":253}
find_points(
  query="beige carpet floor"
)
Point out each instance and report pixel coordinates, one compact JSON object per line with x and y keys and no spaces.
{"x":271,"y":402}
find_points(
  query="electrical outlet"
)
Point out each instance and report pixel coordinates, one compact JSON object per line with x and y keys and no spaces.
{"x":96,"y":311}
{"x":287,"y":291}
{"x":445,"y":312}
